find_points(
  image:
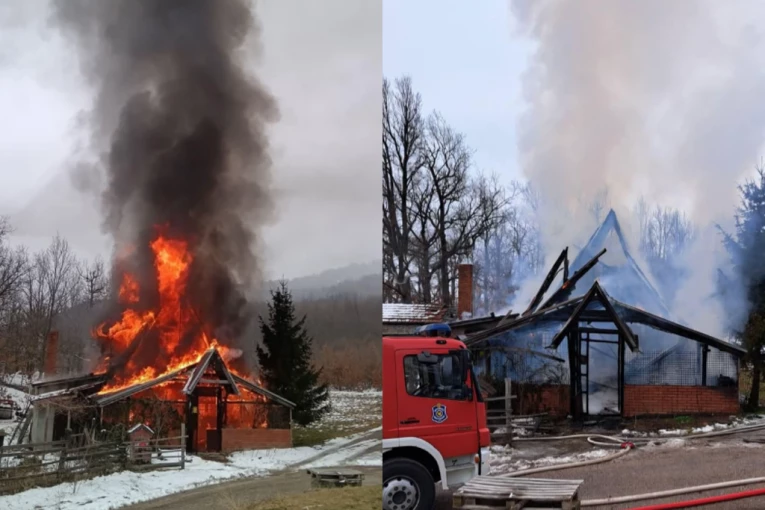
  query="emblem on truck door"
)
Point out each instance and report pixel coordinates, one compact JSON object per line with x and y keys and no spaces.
{"x":439,"y":413}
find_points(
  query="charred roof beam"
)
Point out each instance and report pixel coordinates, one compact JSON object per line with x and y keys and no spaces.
{"x":563,"y":257}
{"x":596,"y":293}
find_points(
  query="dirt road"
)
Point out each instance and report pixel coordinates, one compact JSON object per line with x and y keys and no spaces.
{"x":649,"y":470}
{"x":235,"y":495}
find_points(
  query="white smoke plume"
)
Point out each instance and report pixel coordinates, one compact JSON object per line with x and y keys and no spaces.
{"x":651,"y":98}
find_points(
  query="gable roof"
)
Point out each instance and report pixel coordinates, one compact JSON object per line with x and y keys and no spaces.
{"x":140,"y":426}
{"x":597,"y":294}
{"x":619,"y":260}
{"x":262,"y":391}
{"x":212,"y":359}
{"x":195,"y":373}
{"x":575,"y":310}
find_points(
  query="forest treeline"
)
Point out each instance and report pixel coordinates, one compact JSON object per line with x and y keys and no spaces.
{"x":55,"y":290}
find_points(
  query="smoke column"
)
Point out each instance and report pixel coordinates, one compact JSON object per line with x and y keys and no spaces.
{"x":180,"y":128}
{"x":651,"y":98}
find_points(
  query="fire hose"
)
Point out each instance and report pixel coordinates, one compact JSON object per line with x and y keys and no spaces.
{"x":627,"y":445}
{"x":685,"y":490}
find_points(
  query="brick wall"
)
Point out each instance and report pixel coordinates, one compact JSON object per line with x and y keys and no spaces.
{"x":664,"y":400}
{"x":548,"y":398}
{"x":250,"y":439}
{"x":464,"y":290}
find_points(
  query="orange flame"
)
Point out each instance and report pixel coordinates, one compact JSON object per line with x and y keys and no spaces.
{"x":180,"y":340}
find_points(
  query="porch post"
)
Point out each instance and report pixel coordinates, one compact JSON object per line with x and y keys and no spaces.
{"x":574,"y":378}
{"x":621,"y":373}
{"x":704,"y":355}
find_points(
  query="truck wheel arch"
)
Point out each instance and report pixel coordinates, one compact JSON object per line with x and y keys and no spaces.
{"x":419,"y":450}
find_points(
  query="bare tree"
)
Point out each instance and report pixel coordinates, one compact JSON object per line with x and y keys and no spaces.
{"x":424,"y":238}
{"x":464,"y":207}
{"x":598,"y":205}
{"x":665,"y":234}
{"x":95,"y":280}
{"x":13,"y":266}
{"x":499,"y":262}
{"x":49,"y":287}
{"x":401,"y":142}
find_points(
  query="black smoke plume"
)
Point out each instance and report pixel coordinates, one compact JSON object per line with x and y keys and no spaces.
{"x":179,"y":127}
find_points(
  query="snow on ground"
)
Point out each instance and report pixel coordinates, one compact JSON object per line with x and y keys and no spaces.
{"x":350,"y":409}
{"x":20,"y":399}
{"x":734,"y":423}
{"x":127,"y":487}
{"x":505,"y":459}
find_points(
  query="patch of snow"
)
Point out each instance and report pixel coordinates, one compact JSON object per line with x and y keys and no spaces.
{"x":672,"y":432}
{"x":127,"y":487}
{"x":503,"y":459}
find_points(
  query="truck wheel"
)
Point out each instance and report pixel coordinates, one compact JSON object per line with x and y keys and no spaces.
{"x":407,"y":485}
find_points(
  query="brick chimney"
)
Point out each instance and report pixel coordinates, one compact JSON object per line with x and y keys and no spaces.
{"x":51,"y":354}
{"x":464,"y":290}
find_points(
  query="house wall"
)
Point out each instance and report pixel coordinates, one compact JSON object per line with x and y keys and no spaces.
{"x":249,"y":439}
{"x":666,"y":400}
{"x":41,"y":428}
{"x":549,"y":398}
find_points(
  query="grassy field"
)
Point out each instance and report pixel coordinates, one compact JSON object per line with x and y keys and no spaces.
{"x":352,"y":412}
{"x":349,"y":498}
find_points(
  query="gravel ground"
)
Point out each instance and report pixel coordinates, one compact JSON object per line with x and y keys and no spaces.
{"x":680,"y":464}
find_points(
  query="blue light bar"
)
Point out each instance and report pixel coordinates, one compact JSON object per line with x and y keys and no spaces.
{"x":434,"y":330}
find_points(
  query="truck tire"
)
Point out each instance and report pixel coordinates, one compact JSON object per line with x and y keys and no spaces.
{"x":407,"y":485}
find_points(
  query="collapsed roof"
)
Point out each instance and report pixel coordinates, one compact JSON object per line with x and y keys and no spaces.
{"x":631,"y":298}
{"x":192,"y":375}
{"x":617,"y":269}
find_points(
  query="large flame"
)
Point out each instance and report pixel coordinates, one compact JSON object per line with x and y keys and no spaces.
{"x":162,"y":339}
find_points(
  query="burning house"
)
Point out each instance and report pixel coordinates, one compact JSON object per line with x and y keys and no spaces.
{"x":620,"y":351}
{"x":179,"y":125}
{"x":220,"y":410}
{"x":160,"y":366}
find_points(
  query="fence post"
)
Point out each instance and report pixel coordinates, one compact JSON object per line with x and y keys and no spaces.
{"x":508,"y":409}
{"x":183,"y":445}
{"x":62,"y":461}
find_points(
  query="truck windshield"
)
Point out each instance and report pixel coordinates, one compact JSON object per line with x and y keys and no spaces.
{"x":440,"y":379}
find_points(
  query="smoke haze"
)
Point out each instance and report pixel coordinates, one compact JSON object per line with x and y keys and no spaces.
{"x":179,"y":127}
{"x":652,"y":98}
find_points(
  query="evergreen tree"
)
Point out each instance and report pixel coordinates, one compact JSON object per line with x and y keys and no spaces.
{"x":747,"y":249}
{"x":285,"y":359}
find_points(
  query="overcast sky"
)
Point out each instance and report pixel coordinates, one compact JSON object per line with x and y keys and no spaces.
{"x":466,"y":61}
{"x":322,"y":60}
{"x":679,"y":105}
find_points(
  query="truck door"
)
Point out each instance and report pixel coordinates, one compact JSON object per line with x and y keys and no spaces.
{"x":436,"y":401}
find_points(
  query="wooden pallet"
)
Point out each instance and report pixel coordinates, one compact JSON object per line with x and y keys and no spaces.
{"x":495,"y":492}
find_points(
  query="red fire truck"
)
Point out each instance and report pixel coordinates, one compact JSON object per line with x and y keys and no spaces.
{"x":434,"y":419}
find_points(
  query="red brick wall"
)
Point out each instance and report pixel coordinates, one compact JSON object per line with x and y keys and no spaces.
{"x":658,"y":400}
{"x":51,"y":354}
{"x":464,"y":289}
{"x":550,"y":398}
{"x":252,"y":439}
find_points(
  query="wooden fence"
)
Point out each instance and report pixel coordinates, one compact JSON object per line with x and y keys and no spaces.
{"x":24,"y":466}
{"x":499,"y":417}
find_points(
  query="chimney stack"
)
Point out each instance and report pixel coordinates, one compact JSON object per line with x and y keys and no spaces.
{"x":464,"y":291}
{"x":51,"y":354}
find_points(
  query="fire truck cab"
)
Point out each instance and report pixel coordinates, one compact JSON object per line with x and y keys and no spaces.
{"x":434,"y":418}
